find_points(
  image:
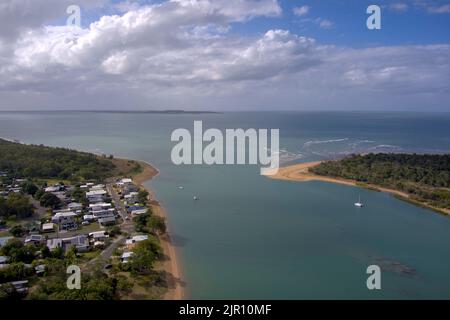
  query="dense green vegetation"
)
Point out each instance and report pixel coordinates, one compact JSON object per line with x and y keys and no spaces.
{"x":149,"y":223}
{"x":426,"y":178}
{"x":49,"y":200}
{"x":145,"y":255}
{"x":33,"y":161}
{"x":94,"y":286}
{"x":15,"y":206}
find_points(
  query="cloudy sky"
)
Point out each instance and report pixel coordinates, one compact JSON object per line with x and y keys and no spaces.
{"x":225,"y":55}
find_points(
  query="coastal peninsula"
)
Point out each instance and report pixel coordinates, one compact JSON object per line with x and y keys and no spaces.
{"x":62,"y":207}
{"x":423,"y":180}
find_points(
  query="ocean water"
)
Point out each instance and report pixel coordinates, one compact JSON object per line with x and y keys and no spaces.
{"x":252,"y":237}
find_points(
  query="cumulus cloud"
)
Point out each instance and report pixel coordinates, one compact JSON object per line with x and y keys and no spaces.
{"x":181,"y":54}
{"x":440,"y":9}
{"x":17,"y":16}
{"x":398,"y":7}
{"x":324,"y":23}
{"x":301,"y":11}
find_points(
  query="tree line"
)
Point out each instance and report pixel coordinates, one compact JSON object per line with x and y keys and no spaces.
{"x":38,"y":161}
{"x":425,"y":177}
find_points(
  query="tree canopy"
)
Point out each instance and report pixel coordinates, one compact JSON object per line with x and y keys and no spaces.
{"x":33,"y":161}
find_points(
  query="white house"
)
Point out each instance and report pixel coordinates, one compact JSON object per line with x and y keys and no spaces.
{"x":60,"y":216}
{"x":48,"y":227}
{"x":35,"y":239}
{"x":52,"y":189}
{"x":136,"y":239}
{"x":99,"y":206}
{"x":74,"y":206}
{"x":98,"y":235}
{"x":97,"y":187}
{"x":88,"y":217}
{"x":126,"y":256}
{"x":138,"y":212}
{"x":80,"y":242}
{"x":95,"y":196}
{"x":107,"y":221}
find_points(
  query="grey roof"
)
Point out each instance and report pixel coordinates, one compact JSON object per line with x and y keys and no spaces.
{"x":107,"y":219}
{"x":4,"y":259}
{"x":4,"y":240}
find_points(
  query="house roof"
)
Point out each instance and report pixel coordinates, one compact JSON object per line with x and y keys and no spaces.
{"x":47,"y":226}
{"x":4,"y":240}
{"x":140,"y":211}
{"x":102,"y":204}
{"x":74,"y":204}
{"x":65,"y":214}
{"x":95,"y":193}
{"x":34,"y":237}
{"x":127,"y":254}
{"x":4,"y":259}
{"x":137,"y":238}
{"x":107,"y":219}
{"x":97,"y":234}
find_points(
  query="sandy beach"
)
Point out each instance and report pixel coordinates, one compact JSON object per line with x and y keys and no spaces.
{"x":171,"y":265}
{"x":300,"y":172}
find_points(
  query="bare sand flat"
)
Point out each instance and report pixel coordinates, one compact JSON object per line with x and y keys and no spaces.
{"x":300,"y":172}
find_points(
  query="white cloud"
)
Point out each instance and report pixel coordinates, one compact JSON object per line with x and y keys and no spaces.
{"x":324,"y":23}
{"x":439,"y":9}
{"x":301,"y":11}
{"x":17,"y":16}
{"x":398,"y":7}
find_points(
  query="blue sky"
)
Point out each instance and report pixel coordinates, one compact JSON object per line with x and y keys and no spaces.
{"x":225,"y":55}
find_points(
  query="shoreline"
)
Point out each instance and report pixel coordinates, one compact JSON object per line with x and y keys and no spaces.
{"x":171,"y":265}
{"x":300,"y":173}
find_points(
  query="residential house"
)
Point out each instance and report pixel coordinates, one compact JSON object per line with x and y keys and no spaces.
{"x":97,"y":187}
{"x":35,"y":239}
{"x":40,"y":269}
{"x":126,"y":257}
{"x":4,"y":240}
{"x":48,"y":227}
{"x":80,"y":242}
{"x":95,"y":196}
{"x":4,"y":261}
{"x":65,"y":215}
{"x":75,"y":206}
{"x":98,"y":235}
{"x":68,"y":223}
{"x":131,"y":198}
{"x":135,"y":239}
{"x":126,"y":181}
{"x":100,"y":206}
{"x":107,"y":221}
{"x":138,"y":212}
{"x":52,"y":189}
{"x":88,"y":217}
{"x":19,"y":286}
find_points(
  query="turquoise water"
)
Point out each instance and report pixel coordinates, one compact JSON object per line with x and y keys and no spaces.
{"x":251,"y":237}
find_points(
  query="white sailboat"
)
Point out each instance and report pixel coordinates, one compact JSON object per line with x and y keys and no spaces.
{"x":359,"y":203}
{"x":195,"y":198}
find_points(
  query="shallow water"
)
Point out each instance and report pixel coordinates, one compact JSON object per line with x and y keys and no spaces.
{"x":252,"y":237}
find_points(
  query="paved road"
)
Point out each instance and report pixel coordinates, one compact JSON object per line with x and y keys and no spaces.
{"x":127,"y":225}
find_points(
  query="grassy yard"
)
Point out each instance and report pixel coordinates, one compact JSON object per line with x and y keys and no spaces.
{"x":83,"y":230}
